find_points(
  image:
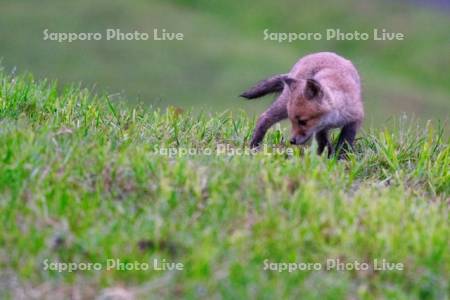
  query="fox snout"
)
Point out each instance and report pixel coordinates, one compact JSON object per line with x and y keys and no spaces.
{"x":299,"y":139}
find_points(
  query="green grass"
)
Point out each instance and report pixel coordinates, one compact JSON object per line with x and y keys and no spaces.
{"x":79,"y":183}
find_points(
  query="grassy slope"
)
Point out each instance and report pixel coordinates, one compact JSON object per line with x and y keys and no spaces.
{"x":78,"y":183}
{"x":224,"y":51}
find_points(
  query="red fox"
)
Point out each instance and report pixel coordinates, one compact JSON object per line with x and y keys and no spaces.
{"x":321,"y":92}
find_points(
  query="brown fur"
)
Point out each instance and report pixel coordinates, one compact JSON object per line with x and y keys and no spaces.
{"x":321,"y":92}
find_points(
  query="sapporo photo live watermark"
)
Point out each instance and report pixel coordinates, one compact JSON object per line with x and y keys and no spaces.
{"x":334,"y":264}
{"x":112,"y":34}
{"x":158,"y":265}
{"x":333,"y":34}
{"x":223,"y":150}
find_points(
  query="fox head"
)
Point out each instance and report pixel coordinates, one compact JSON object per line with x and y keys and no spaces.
{"x":306,"y":109}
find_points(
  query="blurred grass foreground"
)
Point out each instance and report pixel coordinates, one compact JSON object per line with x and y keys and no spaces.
{"x":84,"y":182}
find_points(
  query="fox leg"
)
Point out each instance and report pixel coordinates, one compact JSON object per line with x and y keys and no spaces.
{"x":346,"y":138}
{"x":275,"y":113}
{"x":323,"y":141}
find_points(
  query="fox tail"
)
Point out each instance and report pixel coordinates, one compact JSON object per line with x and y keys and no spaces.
{"x":274,"y":84}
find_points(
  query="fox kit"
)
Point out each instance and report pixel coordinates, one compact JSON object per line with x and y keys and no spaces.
{"x":321,"y":92}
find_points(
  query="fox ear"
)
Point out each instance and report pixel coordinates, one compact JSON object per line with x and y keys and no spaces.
{"x":313,"y":90}
{"x":290,"y":83}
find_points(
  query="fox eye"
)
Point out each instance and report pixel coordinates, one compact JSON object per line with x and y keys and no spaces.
{"x":302,"y":122}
